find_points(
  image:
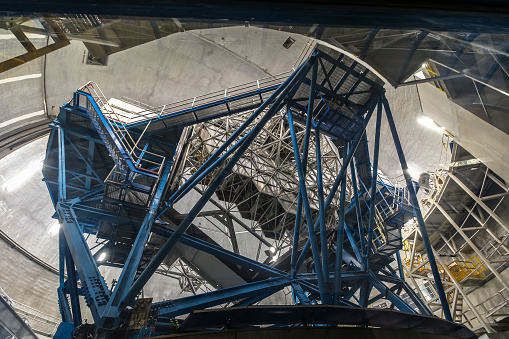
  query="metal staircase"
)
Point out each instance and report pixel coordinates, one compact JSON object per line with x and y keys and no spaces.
{"x":136,"y":171}
{"x":392,"y":211}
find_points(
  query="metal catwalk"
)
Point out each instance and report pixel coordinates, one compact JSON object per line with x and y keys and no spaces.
{"x":291,"y":163}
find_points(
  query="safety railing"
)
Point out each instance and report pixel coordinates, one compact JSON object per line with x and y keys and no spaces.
{"x":387,"y":206}
{"x":380,"y":236}
{"x":194,"y":104}
{"x":459,"y":269}
{"x":305,"y":53}
{"x":141,"y":158}
{"x":471,"y":268}
{"x":252,"y":88}
{"x":433,"y":74}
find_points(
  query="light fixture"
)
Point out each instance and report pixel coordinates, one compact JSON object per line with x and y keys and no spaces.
{"x":289,"y":42}
{"x":270,"y":252}
{"x":102,"y":256}
{"x":275,"y":257}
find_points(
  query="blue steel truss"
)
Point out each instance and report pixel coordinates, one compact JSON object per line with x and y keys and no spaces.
{"x":101,"y":170}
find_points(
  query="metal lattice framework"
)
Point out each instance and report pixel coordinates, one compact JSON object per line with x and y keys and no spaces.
{"x":264,"y":159}
{"x":468,"y":239}
{"x":263,"y":186}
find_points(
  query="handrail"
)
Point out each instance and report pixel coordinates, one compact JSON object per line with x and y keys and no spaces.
{"x":200,"y":102}
{"x":126,"y":151}
{"x":121,"y":131}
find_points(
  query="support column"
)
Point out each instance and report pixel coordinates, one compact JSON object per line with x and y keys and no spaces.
{"x":131,"y":265}
{"x":417,"y":212}
{"x":340,"y":237}
{"x":307,"y":210}
{"x":298,"y":215}
{"x":374,"y":175}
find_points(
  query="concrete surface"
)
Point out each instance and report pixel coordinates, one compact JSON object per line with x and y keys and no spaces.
{"x":422,"y":146}
{"x":21,"y":97}
{"x":177,"y":67}
{"x":484,"y":141}
{"x":26,"y":209}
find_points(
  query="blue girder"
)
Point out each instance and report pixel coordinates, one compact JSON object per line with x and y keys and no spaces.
{"x":347,"y":268}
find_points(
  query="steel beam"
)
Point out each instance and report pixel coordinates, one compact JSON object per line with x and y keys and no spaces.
{"x":298,"y":215}
{"x":236,"y":219}
{"x":307,"y":210}
{"x":340,"y":237}
{"x":223,"y":254}
{"x":133,"y":260}
{"x":208,"y":166}
{"x":472,"y":245}
{"x":358,"y":213}
{"x":479,"y":201}
{"x":390,"y":295}
{"x":367,"y":43}
{"x":73,"y":289}
{"x":374,"y":176}
{"x":423,"y":81}
{"x":340,"y":177}
{"x":62,"y":185}
{"x":321,"y":206}
{"x":245,"y":142}
{"x":32,"y":55}
{"x":417,"y":211}
{"x":181,"y":306}
{"x":96,"y":291}
{"x":410,"y":55}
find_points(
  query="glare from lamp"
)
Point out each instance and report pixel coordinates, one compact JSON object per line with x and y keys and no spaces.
{"x":272,"y":250}
{"x":420,"y":75}
{"x":102,"y":257}
{"x":22,"y":177}
{"x":430,"y":123}
{"x":275,"y":257}
{"x":413,"y":173}
{"x":54,"y":228}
